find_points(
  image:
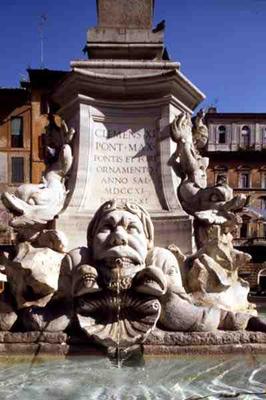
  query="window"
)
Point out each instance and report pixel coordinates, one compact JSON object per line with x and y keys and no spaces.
{"x":262,"y":280}
{"x":221,"y":179}
{"x":244,"y":230}
{"x":17,"y":169}
{"x":263,"y":180}
{"x":44,"y":104}
{"x":220,"y":174}
{"x":244,"y":180}
{"x":245,"y":136}
{"x":262,"y":202}
{"x":263,"y":136}
{"x":17,"y":132}
{"x":222,"y":134}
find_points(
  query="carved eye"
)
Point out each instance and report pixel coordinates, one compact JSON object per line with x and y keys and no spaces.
{"x":132,"y":228}
{"x":171,"y":271}
{"x":105,"y":228}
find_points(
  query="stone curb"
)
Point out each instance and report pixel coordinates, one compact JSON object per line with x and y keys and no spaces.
{"x":158,"y":343}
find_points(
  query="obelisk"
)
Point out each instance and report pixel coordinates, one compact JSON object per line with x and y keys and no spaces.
{"x":124,"y":31}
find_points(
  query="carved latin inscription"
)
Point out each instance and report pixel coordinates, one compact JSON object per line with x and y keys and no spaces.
{"x":125,"y":163}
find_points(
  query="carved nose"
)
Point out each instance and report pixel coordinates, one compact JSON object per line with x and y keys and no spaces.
{"x":118,"y":237}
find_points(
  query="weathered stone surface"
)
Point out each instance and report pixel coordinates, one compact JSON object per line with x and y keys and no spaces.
{"x":124,"y":31}
{"x":125,"y":162}
{"x":8,"y":316}
{"x":58,"y":344}
{"x":125,"y":13}
{"x":211,"y":205}
{"x":111,"y":326}
{"x":125,"y":85}
{"x":204,"y":350}
{"x":49,"y":349}
{"x":7,"y":235}
{"x":217,"y":338}
{"x":212,"y":273}
{"x":34,"y":349}
{"x":35,"y":204}
{"x":5,"y":218}
{"x":134,"y":118}
{"x":34,"y":275}
{"x":124,"y":286}
{"x":52,"y":239}
{"x":33,"y":337}
{"x":54,"y":317}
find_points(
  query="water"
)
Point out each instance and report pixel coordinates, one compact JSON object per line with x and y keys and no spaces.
{"x":172,"y":378}
{"x":169,"y":379}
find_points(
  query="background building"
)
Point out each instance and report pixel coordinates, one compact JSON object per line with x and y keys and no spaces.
{"x":39,"y":88}
{"x":237,"y":150}
{"x":23,"y":117}
{"x":15,"y":137}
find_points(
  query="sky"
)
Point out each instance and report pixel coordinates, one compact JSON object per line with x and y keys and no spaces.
{"x":221,"y":44}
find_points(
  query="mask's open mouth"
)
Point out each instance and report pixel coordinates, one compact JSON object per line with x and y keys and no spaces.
{"x":151,"y":282}
{"x":119,"y":262}
{"x":86,"y":282}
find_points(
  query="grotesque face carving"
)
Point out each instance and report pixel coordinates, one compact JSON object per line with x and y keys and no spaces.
{"x":199,"y":176}
{"x":120,"y":234}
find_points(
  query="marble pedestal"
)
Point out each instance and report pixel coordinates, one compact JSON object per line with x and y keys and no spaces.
{"x":122,"y":111}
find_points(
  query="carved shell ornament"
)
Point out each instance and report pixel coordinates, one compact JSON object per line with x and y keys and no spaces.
{"x":118,"y":320}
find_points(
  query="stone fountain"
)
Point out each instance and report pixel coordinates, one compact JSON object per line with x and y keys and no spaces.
{"x":125,"y":182}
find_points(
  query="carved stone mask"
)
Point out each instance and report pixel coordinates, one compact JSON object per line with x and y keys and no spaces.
{"x":200,"y":177}
{"x":120,"y":234}
{"x":120,"y":231}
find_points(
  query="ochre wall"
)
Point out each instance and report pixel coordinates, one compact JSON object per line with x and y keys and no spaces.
{"x":38,"y":128}
{"x":5,"y":144}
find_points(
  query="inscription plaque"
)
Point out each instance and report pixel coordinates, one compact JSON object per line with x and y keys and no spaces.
{"x":124,"y":163}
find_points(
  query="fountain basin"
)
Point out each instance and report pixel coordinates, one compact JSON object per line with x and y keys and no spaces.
{"x":36,"y":365}
{"x":158,"y":343}
{"x":165,"y":378}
